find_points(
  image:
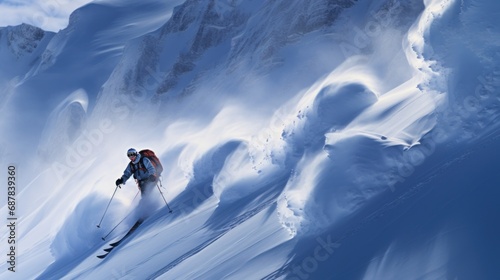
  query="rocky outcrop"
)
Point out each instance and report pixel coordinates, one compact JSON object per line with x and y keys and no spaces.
{"x":23,"y":39}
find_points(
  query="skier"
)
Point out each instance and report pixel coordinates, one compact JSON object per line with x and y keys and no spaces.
{"x":142,"y":169}
{"x":146,"y":169}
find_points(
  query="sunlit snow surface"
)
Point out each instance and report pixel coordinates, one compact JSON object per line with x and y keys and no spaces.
{"x":356,"y":144}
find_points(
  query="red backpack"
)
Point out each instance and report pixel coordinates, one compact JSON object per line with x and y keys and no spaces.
{"x":152,"y":157}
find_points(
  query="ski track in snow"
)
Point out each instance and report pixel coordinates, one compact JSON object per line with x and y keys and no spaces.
{"x":233,"y":223}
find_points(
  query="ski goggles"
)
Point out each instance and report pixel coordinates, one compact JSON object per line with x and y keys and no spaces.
{"x":131,"y":154}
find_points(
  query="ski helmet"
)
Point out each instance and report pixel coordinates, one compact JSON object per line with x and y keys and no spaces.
{"x":131,"y":152}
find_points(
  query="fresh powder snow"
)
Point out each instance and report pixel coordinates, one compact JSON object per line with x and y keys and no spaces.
{"x":346,"y":139}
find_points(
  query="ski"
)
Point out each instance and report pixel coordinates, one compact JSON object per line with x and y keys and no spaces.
{"x":102,"y":256}
{"x":114,"y":244}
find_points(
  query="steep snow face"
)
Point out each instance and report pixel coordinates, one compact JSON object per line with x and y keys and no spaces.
{"x":292,"y":19}
{"x":300,"y":140}
{"x":155,"y":64}
{"x":20,"y":49}
{"x":217,"y":38}
{"x":79,"y":57}
{"x":472,"y":65}
{"x":99,"y":32}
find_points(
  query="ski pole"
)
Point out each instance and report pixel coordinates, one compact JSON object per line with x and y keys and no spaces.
{"x":99,"y":225}
{"x":169,"y":209}
{"x":104,"y":237}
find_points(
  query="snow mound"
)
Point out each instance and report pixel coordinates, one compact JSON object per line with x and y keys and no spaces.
{"x":76,"y":236}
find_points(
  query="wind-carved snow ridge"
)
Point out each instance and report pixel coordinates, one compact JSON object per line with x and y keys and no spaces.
{"x":355,"y":140}
{"x":65,"y":124}
{"x":472,"y":111}
{"x":329,"y":105}
{"x":56,"y":45}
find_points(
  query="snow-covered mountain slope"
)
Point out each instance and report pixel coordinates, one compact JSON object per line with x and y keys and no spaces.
{"x":78,"y":58}
{"x":300,"y":140}
{"x":21,"y":46}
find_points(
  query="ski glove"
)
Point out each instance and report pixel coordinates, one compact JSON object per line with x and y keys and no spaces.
{"x":152,"y":178}
{"x":119,"y":182}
